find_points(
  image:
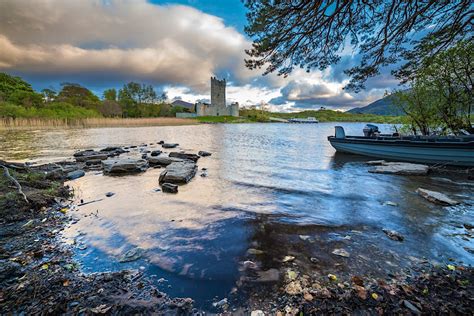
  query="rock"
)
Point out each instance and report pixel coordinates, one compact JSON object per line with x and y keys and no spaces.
{"x":390,"y":203}
{"x":161,"y":142}
{"x":252,"y":251}
{"x":307,"y":296}
{"x":248,"y":265}
{"x":341,"y":252}
{"x":257,"y":313}
{"x":192,"y":157}
{"x":401,"y":168}
{"x":203,"y":153}
{"x":203,"y":174}
{"x":293,"y":288}
{"x":411,"y":307}
{"x":468,"y":226}
{"x":304,"y":237}
{"x":376,"y":162}
{"x":144,"y":156}
{"x":221,"y":303}
{"x":171,"y":145}
{"x":75,"y":174}
{"x":120,"y":166}
{"x":291,"y":275}
{"x":169,"y":188}
{"x":288,"y":258}
{"x":132,"y":255}
{"x":109,"y":194}
{"x":178,"y":172}
{"x":270,"y":275}
{"x":393,"y":235}
{"x":89,"y":154}
{"x":436,"y":197}
{"x":155,"y":153}
{"x":162,"y":160}
{"x":93,"y":162}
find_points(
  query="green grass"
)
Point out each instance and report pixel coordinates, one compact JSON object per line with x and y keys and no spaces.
{"x":222,"y":119}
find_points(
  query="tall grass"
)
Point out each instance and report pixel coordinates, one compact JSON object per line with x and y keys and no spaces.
{"x":45,"y":123}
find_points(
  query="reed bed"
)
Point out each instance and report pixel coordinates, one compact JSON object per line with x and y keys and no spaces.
{"x":34,"y":123}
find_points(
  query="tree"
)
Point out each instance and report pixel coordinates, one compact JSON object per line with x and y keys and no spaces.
{"x":77,"y":95}
{"x":311,"y":33}
{"x":137,"y":93}
{"x":10,"y":84}
{"x":110,"y":94}
{"x":441,"y":91}
{"x":110,"y":108}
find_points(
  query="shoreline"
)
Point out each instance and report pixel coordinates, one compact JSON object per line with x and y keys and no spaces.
{"x":39,"y":273}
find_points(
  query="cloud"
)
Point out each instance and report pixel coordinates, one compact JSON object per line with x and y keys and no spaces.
{"x":170,"y":44}
{"x":104,"y":43}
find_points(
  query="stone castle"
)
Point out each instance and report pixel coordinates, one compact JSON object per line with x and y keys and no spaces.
{"x":218,"y":106}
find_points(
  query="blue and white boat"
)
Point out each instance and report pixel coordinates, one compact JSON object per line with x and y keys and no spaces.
{"x":448,"y":150}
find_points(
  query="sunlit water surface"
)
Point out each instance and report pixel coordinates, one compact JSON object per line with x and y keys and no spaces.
{"x":279,"y":188}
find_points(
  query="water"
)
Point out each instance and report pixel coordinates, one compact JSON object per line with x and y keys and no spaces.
{"x":279,"y":188}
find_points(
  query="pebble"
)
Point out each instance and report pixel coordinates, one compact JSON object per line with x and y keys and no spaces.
{"x":411,"y":307}
{"x":109,"y":194}
{"x":341,"y":252}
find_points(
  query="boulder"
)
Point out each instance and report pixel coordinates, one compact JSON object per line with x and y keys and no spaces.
{"x":169,"y":188}
{"x":401,"y":168}
{"x":203,"y":153}
{"x":162,"y":160}
{"x":86,"y":155}
{"x":178,"y":172}
{"x":192,"y":157}
{"x":169,"y":145}
{"x":129,"y":165}
{"x":436,"y":197}
{"x":75,"y":174}
{"x":155,"y":153}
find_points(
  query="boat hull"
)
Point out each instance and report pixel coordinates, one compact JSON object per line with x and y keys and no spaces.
{"x":456,"y":154}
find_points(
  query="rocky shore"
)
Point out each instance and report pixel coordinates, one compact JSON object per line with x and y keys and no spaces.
{"x":39,"y":276}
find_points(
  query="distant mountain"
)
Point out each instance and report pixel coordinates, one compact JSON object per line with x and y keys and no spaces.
{"x":384,"y":106}
{"x":183,"y":104}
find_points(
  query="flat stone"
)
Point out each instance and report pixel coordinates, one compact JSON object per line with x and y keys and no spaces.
{"x":155,"y":153}
{"x":169,"y":188}
{"x":169,"y":145}
{"x":120,"y":166}
{"x":178,"y":172}
{"x":132,"y":255}
{"x":89,"y":154}
{"x":393,"y":235}
{"x":401,"y":168}
{"x":192,"y":157}
{"x":341,"y":253}
{"x":75,"y":174}
{"x":203,"y":153}
{"x":376,"y":162}
{"x":162,"y":160}
{"x":436,"y":197}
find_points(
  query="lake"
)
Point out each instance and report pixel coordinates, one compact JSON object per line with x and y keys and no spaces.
{"x":276,"y":189}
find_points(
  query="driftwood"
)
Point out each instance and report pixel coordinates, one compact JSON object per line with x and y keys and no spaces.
{"x":17,"y":184}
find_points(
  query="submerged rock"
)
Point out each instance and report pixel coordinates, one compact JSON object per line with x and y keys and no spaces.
{"x":341,"y":253}
{"x":393,"y":235}
{"x":185,"y":156}
{"x":162,"y":160}
{"x":129,"y":165}
{"x":75,"y":174}
{"x":178,"y":172}
{"x":169,"y":188}
{"x":401,"y":168}
{"x":169,"y":145}
{"x":436,"y":197}
{"x":203,"y":153}
{"x":132,"y":255}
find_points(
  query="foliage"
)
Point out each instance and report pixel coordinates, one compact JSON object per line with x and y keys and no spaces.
{"x":49,"y":95}
{"x":137,"y":93}
{"x":77,"y":95}
{"x":311,"y":34}
{"x":59,"y":110}
{"x":441,"y":95}
{"x":25,"y":98}
{"x":10,"y":84}
{"x":110,"y":108}
{"x":110,"y":94}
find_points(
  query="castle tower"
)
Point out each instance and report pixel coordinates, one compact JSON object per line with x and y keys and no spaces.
{"x":218,"y":95}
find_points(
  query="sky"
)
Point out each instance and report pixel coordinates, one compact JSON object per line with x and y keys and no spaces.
{"x":176,"y":46}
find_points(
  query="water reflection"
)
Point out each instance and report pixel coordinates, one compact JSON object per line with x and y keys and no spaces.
{"x":273,"y":187}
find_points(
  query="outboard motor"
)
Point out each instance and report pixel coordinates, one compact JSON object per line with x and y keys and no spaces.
{"x":371,"y":130}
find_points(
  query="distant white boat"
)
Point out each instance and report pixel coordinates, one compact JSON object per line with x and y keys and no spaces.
{"x":303,"y":120}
